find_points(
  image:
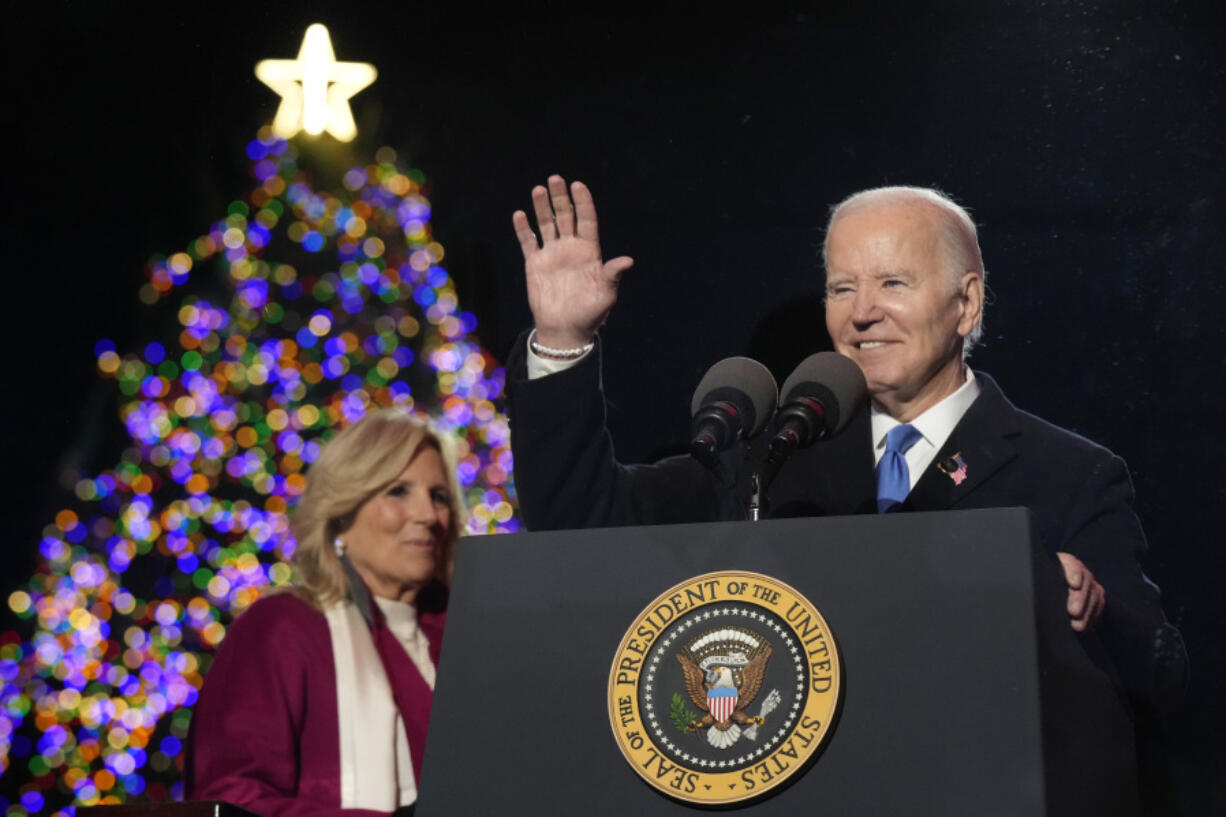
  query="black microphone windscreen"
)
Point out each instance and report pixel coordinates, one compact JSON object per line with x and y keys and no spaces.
{"x":744,"y":375}
{"x":834,"y":380}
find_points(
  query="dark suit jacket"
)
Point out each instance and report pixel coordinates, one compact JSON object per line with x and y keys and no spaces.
{"x":1080,"y":494}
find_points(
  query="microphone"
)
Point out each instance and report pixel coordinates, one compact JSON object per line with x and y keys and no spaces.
{"x":734,"y":400}
{"x":819,"y":399}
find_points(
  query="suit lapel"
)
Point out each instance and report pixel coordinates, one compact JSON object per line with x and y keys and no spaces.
{"x":832,"y":477}
{"x":854,"y":490}
{"x":980,"y":445}
{"x":837,"y":476}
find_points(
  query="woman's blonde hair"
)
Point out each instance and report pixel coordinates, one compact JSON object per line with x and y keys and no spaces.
{"x":352,"y":467}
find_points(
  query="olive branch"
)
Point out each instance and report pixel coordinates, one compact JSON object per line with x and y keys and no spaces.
{"x":680,"y":714}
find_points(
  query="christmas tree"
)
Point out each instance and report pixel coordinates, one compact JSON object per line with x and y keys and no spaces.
{"x":324,"y":305}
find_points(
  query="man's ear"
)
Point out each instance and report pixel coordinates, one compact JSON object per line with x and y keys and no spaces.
{"x":970,"y":292}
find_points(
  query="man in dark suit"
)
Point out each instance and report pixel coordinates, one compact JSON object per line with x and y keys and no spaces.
{"x":904,"y":300}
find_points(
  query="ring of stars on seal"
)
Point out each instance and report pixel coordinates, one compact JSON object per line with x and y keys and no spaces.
{"x":677,"y":749}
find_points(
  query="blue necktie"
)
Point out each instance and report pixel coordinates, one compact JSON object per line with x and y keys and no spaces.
{"x":893,"y":476}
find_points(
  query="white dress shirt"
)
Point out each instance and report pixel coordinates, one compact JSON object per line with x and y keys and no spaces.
{"x":935,"y":424}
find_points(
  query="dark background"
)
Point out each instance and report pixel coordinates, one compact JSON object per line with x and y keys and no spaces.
{"x":1086,"y":138}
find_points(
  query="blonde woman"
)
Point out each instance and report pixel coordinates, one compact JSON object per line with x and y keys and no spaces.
{"x":317,"y":701}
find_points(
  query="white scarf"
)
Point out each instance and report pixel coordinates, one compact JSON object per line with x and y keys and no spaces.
{"x":376,"y":766}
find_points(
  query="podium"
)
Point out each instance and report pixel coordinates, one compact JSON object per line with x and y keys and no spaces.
{"x":964,"y":689}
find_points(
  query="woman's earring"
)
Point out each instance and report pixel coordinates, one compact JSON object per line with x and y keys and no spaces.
{"x":339,"y":547}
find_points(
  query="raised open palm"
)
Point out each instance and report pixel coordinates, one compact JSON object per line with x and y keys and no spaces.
{"x":570,"y":287}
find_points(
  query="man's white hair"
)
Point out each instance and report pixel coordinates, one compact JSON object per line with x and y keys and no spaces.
{"x":959,"y":238}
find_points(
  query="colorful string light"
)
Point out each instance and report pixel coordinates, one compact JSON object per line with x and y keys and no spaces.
{"x":335,"y":302}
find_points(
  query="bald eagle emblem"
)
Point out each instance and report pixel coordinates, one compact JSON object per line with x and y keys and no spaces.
{"x":723,"y":671}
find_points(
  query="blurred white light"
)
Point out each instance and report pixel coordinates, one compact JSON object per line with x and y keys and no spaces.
{"x":315,"y":88}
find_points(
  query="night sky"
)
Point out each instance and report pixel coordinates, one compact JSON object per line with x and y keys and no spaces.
{"x":1085,"y":138}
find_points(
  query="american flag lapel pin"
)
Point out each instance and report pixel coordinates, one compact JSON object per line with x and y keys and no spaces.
{"x":954,"y":467}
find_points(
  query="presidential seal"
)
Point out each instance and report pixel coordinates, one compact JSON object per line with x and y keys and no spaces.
{"x":724,"y":687}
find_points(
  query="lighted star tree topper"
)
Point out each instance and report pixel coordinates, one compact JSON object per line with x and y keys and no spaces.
{"x":315,"y":88}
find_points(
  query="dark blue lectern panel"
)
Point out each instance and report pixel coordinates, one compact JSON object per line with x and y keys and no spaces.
{"x":965,"y":690}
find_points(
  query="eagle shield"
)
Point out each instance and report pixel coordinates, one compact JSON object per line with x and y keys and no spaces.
{"x":724,"y":670}
{"x":721,"y":703}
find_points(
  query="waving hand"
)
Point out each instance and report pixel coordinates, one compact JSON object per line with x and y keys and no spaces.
{"x":571,"y":289}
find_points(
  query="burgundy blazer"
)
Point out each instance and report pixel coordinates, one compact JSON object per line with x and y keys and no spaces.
{"x":264,"y":732}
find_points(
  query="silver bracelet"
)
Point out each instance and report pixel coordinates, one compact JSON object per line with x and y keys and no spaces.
{"x":563,"y":354}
